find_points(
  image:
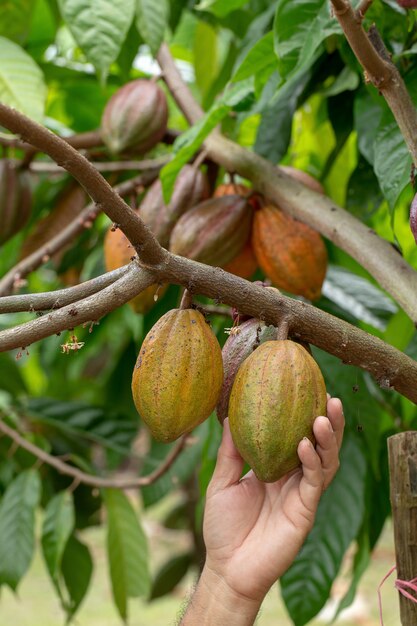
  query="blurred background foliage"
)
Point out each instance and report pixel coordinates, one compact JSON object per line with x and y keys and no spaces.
{"x":299,"y":99}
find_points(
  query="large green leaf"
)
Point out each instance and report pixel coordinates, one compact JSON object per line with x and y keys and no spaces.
{"x":77,"y":567}
{"x":22,"y":84}
{"x":205,"y":56}
{"x":261,"y":55}
{"x":306,"y":585}
{"x":127,"y":551}
{"x":152,"y":19}
{"x":170,"y":574}
{"x":15,"y":18}
{"x":220,"y":8}
{"x":57,"y":527}
{"x":99,"y":27}
{"x":17,"y":521}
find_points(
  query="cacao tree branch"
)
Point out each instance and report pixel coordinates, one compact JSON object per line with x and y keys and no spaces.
{"x":90,"y":309}
{"x":85,"y":218}
{"x":89,"y":178}
{"x":91,"y":479}
{"x":33,"y":302}
{"x":375,"y":254}
{"x":103,"y":166}
{"x":381,"y":72}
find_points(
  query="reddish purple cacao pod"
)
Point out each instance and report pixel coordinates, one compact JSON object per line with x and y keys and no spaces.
{"x":242,"y":341}
{"x":135,"y":118}
{"x":15,"y":199}
{"x":214,"y":231}
{"x":407,"y":4}
{"x":413,"y":217}
{"x":191,"y":187}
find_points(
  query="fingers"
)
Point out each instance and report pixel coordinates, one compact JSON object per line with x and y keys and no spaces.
{"x":336,"y":417}
{"x":327,"y":448}
{"x":312,"y":481}
{"x":229,"y":463}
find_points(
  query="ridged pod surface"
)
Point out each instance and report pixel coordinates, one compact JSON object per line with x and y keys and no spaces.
{"x":413,"y":217}
{"x":178,"y":374}
{"x":291,"y":254}
{"x":277,"y":394}
{"x":242,"y":341}
{"x":15,"y":199}
{"x":191,"y":187}
{"x":118,"y":252}
{"x":135,"y":118}
{"x":214,"y":231}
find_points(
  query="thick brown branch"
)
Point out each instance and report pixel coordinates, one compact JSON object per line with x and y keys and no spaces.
{"x":87,"y":216}
{"x":90,"y":479}
{"x":375,"y":254}
{"x":90,"y":309}
{"x":33,"y":302}
{"x":381,"y":72}
{"x":95,"y":185}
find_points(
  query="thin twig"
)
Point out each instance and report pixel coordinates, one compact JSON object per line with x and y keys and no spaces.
{"x":103,"y":166}
{"x":89,"y":479}
{"x":212,"y":309}
{"x":362,"y":9}
{"x":33,"y":302}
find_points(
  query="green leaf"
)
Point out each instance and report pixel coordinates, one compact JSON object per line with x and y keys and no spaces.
{"x":400,"y":330}
{"x":220,"y":8}
{"x":57,"y":527}
{"x":170,"y":574}
{"x":77,"y":567}
{"x":151,"y":20}
{"x":190,"y":141}
{"x":392,"y":161}
{"x":127,"y":551}
{"x":17,"y":521}
{"x":22,"y":84}
{"x":15,"y":18}
{"x":363,"y":196}
{"x":338,"y":520}
{"x":367,"y":116}
{"x":258,"y":58}
{"x":205,"y":56}
{"x":99,"y":27}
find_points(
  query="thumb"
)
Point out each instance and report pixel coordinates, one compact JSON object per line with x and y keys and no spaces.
{"x":229,"y":463}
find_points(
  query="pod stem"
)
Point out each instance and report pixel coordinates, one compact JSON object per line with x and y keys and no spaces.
{"x":283,"y":329}
{"x":186,"y":300}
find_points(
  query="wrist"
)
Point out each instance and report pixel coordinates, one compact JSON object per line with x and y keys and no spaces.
{"x":216,"y":602}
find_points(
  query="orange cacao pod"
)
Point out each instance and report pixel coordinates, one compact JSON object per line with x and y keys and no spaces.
{"x":231,"y":189}
{"x":291,"y":254}
{"x":191,"y":187}
{"x":242,"y":341}
{"x":178,"y":374}
{"x":244,"y":264}
{"x":304,"y":178}
{"x":15,"y":199}
{"x":118,"y":252}
{"x":214,"y":231}
{"x":135,"y":118}
{"x":277,"y":394}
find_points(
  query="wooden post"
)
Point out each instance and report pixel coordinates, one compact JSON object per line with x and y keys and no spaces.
{"x":402,"y":451}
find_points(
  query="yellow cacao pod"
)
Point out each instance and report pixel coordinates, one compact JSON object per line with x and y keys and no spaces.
{"x":277,"y":394}
{"x":178,"y":374}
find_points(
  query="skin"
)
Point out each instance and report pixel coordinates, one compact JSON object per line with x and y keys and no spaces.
{"x":254,"y":530}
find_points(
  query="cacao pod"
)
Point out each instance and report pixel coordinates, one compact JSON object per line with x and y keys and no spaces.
{"x":413,"y":217}
{"x":15,"y":199}
{"x":214,"y":231}
{"x":135,"y":118}
{"x":407,"y":4}
{"x":244,"y":264}
{"x":191,"y":187}
{"x":118,"y":252}
{"x":242,"y":341}
{"x":277,"y":394}
{"x":231,"y":189}
{"x":178,"y":374}
{"x":291,"y":254}
{"x":304,"y":178}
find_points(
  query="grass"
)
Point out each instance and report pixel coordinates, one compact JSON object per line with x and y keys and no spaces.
{"x":36,"y":603}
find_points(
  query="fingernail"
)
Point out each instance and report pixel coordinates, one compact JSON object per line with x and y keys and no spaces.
{"x":308,"y":440}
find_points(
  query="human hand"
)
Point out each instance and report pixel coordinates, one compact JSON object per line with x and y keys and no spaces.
{"x":254,"y":530}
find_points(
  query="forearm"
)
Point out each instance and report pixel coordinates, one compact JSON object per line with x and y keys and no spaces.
{"x":214,"y":603}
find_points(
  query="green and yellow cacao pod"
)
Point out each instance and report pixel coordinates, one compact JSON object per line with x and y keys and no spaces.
{"x":214,"y":231}
{"x":15,"y":199}
{"x":277,"y":394}
{"x":178,"y":374}
{"x":191,"y":187}
{"x":135,"y":118}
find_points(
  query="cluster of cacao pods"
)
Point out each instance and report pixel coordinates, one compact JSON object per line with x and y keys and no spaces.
{"x":272,"y":390}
